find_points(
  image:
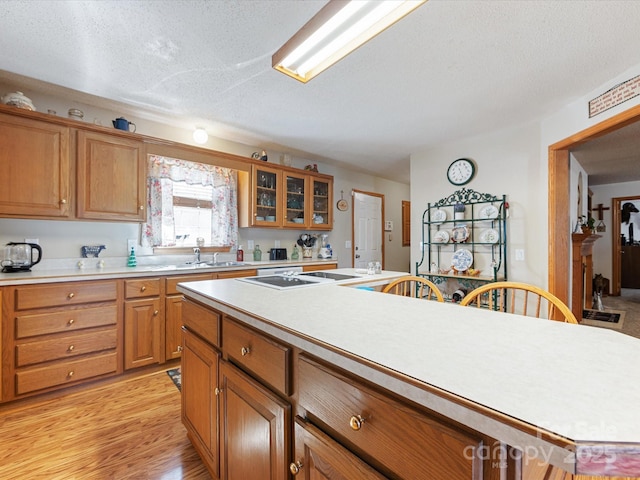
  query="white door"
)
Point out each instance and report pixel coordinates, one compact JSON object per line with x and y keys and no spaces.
{"x":367,"y":226}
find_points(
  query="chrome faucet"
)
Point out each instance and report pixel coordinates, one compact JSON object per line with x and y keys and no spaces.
{"x":196,"y":252}
{"x":215,"y":257}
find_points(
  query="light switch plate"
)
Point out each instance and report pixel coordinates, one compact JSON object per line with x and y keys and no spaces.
{"x":388,"y":226}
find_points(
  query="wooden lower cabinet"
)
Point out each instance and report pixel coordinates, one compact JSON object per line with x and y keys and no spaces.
{"x":142,"y":333}
{"x":255,"y":429}
{"x":200,"y":398}
{"x":318,"y":456}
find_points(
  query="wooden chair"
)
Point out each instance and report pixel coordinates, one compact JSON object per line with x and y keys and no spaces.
{"x":520,"y":298}
{"x":413,"y":286}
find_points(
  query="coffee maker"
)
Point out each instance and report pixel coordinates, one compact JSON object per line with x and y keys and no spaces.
{"x":18,"y":257}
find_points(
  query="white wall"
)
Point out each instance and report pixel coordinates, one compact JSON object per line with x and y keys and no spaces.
{"x":508,"y":163}
{"x":515,"y":162}
{"x":63,"y":239}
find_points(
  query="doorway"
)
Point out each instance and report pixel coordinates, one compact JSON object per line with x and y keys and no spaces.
{"x":367,"y":228}
{"x":559,"y":233}
{"x":625,"y":253}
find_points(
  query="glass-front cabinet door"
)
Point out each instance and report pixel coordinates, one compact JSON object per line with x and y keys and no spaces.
{"x":296,"y":207}
{"x":321,"y":216}
{"x":267,"y":209}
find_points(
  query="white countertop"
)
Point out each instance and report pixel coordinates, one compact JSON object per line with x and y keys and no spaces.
{"x":578,"y":382}
{"x":71,"y":273}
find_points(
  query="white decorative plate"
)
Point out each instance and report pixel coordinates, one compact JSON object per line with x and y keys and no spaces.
{"x":439,"y":216}
{"x":462,"y":259}
{"x":460,"y":234}
{"x":490,"y":236}
{"x":489,"y":212}
{"x":441,"y":236}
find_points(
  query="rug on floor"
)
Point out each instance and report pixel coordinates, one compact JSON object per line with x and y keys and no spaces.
{"x":176,"y":376}
{"x":603,"y":318}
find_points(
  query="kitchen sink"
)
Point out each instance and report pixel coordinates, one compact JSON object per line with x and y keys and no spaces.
{"x":194,"y":266}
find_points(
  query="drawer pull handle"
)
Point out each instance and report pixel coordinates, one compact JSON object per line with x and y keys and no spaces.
{"x":141,"y":207}
{"x":179,"y":348}
{"x":70,"y":374}
{"x":217,"y":391}
{"x":143,"y":288}
{"x":71,"y":321}
{"x":71,"y":295}
{"x":295,"y":467}
{"x":155,"y":312}
{"x":71,"y":347}
{"x":63,"y":201}
{"x":245,"y":351}
{"x":356,"y":422}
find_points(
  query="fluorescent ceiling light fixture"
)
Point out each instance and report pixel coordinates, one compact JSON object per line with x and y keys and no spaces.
{"x":335,"y":31}
{"x":200,"y":136}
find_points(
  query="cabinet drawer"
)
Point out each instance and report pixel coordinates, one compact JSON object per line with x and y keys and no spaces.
{"x":172,"y":282}
{"x":202,"y":321}
{"x":265,"y":358}
{"x":63,"y":294}
{"x":68,"y":321}
{"x":237,"y":274}
{"x":404,"y":441}
{"x":65,"y":372}
{"x":65,"y":347}
{"x":143,"y":287}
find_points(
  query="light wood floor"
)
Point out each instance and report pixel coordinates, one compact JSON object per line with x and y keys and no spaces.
{"x":126,"y":430}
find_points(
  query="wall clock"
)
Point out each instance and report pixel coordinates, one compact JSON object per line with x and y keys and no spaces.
{"x":461,"y":171}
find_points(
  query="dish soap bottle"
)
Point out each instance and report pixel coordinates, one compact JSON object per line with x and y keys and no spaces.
{"x":132,"y":262}
{"x":257,"y":254}
{"x":294,"y":254}
{"x":240,"y":254}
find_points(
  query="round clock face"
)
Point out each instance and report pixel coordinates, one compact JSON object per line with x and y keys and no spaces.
{"x":461,"y":171}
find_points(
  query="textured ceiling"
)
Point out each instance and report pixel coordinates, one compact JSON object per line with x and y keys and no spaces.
{"x":451,"y":69}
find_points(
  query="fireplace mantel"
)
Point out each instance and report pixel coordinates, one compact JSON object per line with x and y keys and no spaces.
{"x":582,"y":271}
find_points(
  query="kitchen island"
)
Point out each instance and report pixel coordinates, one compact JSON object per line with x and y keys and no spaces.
{"x":513,"y":395}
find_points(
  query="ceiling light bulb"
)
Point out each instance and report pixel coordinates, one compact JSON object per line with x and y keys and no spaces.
{"x":200,"y":136}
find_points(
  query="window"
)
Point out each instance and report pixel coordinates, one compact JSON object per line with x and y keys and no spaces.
{"x":187,"y":200}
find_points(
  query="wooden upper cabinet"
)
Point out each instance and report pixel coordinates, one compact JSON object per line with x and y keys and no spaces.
{"x":34,"y":167}
{"x":111,"y":178}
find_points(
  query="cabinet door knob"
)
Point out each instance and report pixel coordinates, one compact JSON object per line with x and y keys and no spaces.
{"x":217,"y":391}
{"x":155,"y":312}
{"x":356,"y":421}
{"x":141,"y":207}
{"x":245,"y":351}
{"x":71,"y":295}
{"x":70,"y":374}
{"x":71,"y":347}
{"x":71,"y":321}
{"x":63,"y":201}
{"x":179,"y":348}
{"x":295,"y":467}
{"x":143,"y":288}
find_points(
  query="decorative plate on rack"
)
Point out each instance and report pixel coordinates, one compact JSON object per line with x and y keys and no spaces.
{"x":439,"y":216}
{"x":460,"y":234}
{"x":490,"y":235}
{"x":489,"y":212}
{"x":462,"y":259}
{"x":441,"y":236}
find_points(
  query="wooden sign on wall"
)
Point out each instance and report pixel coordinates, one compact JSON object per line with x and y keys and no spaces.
{"x":615,"y":96}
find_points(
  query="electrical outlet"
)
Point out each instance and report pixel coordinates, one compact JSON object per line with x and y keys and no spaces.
{"x":250,"y":244}
{"x":520,"y":254}
{"x":347,"y":244}
{"x":276,"y":243}
{"x":32,"y":240}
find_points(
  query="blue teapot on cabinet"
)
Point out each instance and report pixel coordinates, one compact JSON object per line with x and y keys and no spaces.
{"x":124,"y":124}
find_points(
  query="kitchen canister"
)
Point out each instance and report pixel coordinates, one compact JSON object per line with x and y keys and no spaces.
{"x":76,"y":114}
{"x":20,"y":100}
